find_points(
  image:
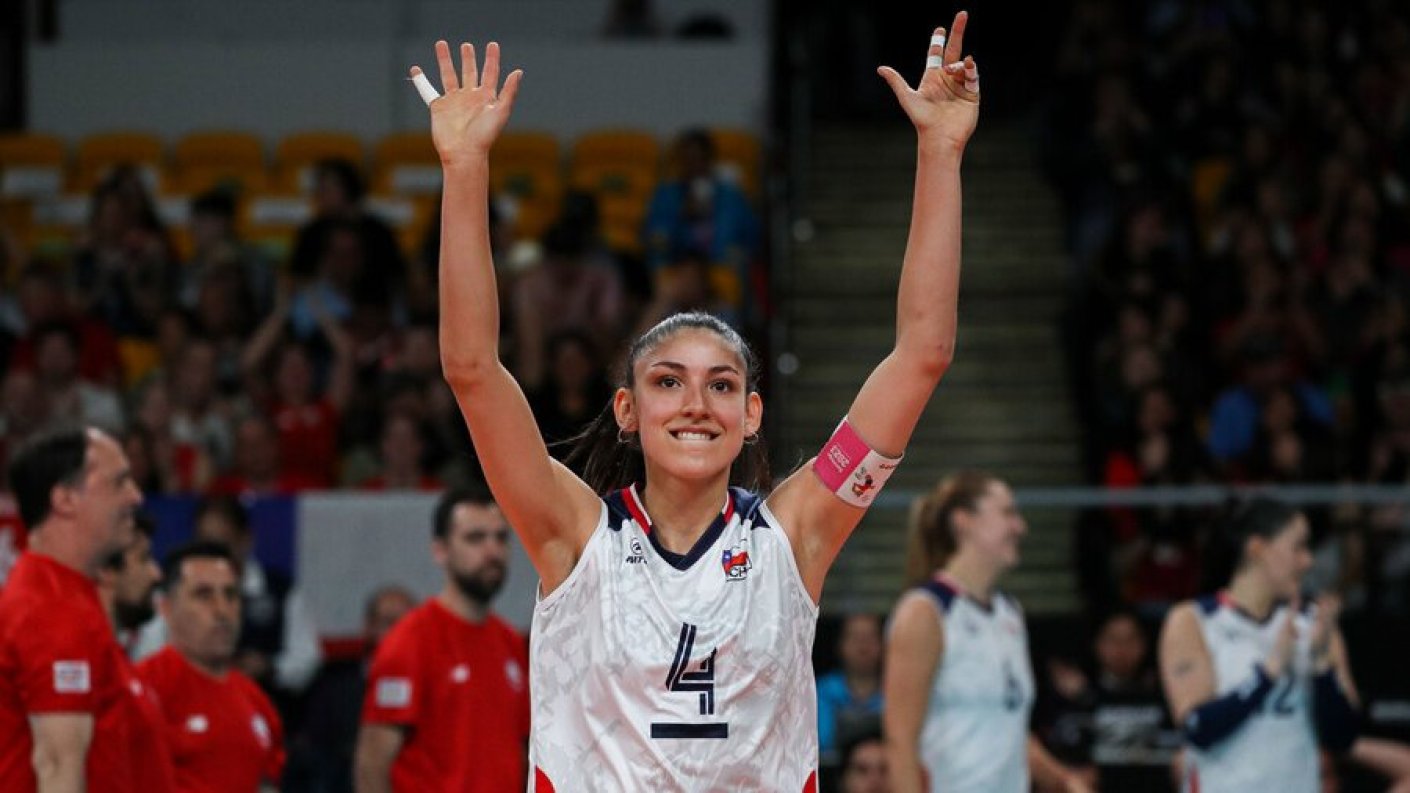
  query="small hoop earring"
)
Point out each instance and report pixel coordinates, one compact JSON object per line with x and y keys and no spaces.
{"x":623,"y":436}
{"x":751,"y":439}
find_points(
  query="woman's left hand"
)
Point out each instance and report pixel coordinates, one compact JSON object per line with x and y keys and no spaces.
{"x":945,"y":106}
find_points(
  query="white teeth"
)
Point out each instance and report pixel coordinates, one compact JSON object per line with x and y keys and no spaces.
{"x":693,"y":436}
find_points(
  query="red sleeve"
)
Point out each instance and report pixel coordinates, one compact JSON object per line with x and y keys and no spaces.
{"x":274,"y":762}
{"x":393,"y":686}
{"x":60,"y":661}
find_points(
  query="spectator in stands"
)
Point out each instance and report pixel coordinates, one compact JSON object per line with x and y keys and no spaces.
{"x":217,"y":248}
{"x":199,"y":416}
{"x":22,"y":411}
{"x":43,"y":301}
{"x":850,"y":697}
{"x":66,"y":395}
{"x":174,"y":464}
{"x":124,"y":267}
{"x":403,"y":454}
{"x":342,"y":224}
{"x":864,"y":767}
{"x":686,"y":285}
{"x":574,"y":391}
{"x":322,"y":754}
{"x":699,"y":211}
{"x":257,"y":469}
{"x":223,"y":728}
{"x":278,"y":645}
{"x":1237,"y":412}
{"x":564,"y":293}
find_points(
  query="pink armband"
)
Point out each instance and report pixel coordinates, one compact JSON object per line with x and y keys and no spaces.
{"x":851,"y":469}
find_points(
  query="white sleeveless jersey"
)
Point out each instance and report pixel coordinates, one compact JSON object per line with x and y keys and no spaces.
{"x":975,"y":736}
{"x":1275,"y":749}
{"x":655,"y":671}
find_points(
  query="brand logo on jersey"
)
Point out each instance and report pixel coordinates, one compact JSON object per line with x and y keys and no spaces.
{"x":71,"y":677}
{"x":514,"y":675}
{"x":261,"y":730}
{"x":197,"y":724}
{"x":135,"y":686}
{"x":460,"y":673}
{"x":393,"y":692}
{"x":637,"y":555}
{"x":736,"y":562}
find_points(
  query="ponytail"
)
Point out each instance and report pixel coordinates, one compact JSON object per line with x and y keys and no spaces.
{"x":931,"y":540}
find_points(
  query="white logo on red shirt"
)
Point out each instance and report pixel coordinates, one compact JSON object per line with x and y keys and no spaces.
{"x":261,"y":730}
{"x":460,"y":673}
{"x":514,"y":674}
{"x":197,"y":724}
{"x":393,"y":692}
{"x":71,"y":677}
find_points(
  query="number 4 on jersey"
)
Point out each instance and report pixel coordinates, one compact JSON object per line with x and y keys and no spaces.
{"x":701,"y":680}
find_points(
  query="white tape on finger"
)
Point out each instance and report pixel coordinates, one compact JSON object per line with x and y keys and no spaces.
{"x":424,"y":87}
{"x":934,"y":62}
{"x":937,"y":41}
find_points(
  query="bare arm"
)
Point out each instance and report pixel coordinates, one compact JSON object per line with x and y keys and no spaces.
{"x":61,"y":743}
{"x":551,"y":510}
{"x":1186,"y":672}
{"x":1048,"y":773}
{"x":377,"y":748}
{"x":1388,"y":758}
{"x":885,"y":411}
{"x":914,"y":648}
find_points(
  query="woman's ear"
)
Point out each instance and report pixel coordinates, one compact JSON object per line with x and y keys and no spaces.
{"x":753,"y":414}
{"x":624,"y":409}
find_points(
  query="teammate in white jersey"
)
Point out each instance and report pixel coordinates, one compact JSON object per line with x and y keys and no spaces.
{"x":958,"y":682}
{"x":1255,"y":679}
{"x":671,"y":643}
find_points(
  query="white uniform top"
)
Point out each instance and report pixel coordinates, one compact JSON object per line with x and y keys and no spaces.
{"x":651,"y":670}
{"x":975,"y":736}
{"x":1275,"y":749}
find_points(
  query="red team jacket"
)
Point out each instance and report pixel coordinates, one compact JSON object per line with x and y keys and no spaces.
{"x":461,"y":691}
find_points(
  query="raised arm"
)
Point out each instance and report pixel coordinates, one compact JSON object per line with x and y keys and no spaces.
{"x":944,"y":109}
{"x":551,"y":510}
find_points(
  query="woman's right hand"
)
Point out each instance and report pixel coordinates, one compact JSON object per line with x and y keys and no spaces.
{"x":468,"y":117}
{"x":1281,"y":656}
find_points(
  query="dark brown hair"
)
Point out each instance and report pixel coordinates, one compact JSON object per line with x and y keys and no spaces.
{"x":931,"y":533}
{"x":609,"y":462}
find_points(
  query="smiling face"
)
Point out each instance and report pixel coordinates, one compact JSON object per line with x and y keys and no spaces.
{"x":994,"y":528}
{"x":690,"y":404}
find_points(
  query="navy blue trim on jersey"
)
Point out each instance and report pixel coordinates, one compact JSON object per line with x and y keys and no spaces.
{"x":680,"y":561}
{"x":1208,"y":604}
{"x":617,"y":512}
{"x":943,"y":593}
{"x":747,"y":504}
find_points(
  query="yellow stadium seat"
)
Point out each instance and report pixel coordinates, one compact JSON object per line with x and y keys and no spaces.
{"x":623,"y":180}
{"x":532,"y":148}
{"x":406,"y":163}
{"x":203,"y":160}
{"x":298,"y":153}
{"x":617,"y":146}
{"x":99,"y":154}
{"x":31,"y":165}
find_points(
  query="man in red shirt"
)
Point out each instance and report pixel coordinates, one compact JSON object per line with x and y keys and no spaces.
{"x":59,"y":661}
{"x":126,"y":582}
{"x":223,"y":732}
{"x":447,"y":700}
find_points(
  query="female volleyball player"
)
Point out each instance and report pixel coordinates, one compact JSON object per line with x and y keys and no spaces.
{"x":958,"y":685}
{"x":672,"y":639}
{"x":1255,"y":680}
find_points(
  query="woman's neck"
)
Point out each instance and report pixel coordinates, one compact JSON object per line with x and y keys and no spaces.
{"x":680,"y":511}
{"x":1251,"y":594}
{"x":974,"y":575}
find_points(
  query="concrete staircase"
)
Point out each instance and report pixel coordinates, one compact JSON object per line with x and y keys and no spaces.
{"x":1002,"y":407}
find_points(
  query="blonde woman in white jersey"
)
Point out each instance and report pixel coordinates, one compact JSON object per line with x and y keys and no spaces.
{"x":1255,"y":679}
{"x":671,"y":644}
{"x":958,"y":683}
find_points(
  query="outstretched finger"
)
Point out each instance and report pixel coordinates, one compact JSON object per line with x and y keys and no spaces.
{"x":511,"y":90}
{"x":954,"y":48}
{"x":469,"y":70}
{"x":490,"y":77}
{"x":448,"y":80}
{"x":971,"y":75}
{"x":935,"y":56}
{"x":895,"y":80}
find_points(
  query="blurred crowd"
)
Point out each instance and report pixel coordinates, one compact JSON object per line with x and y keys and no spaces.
{"x":1234,"y":181}
{"x":230,"y":367}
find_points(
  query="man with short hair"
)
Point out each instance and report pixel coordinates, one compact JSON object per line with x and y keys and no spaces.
{"x":864,"y":768}
{"x":447,"y":706}
{"x":224,"y":733}
{"x":127,"y":581}
{"x":59,"y":661}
